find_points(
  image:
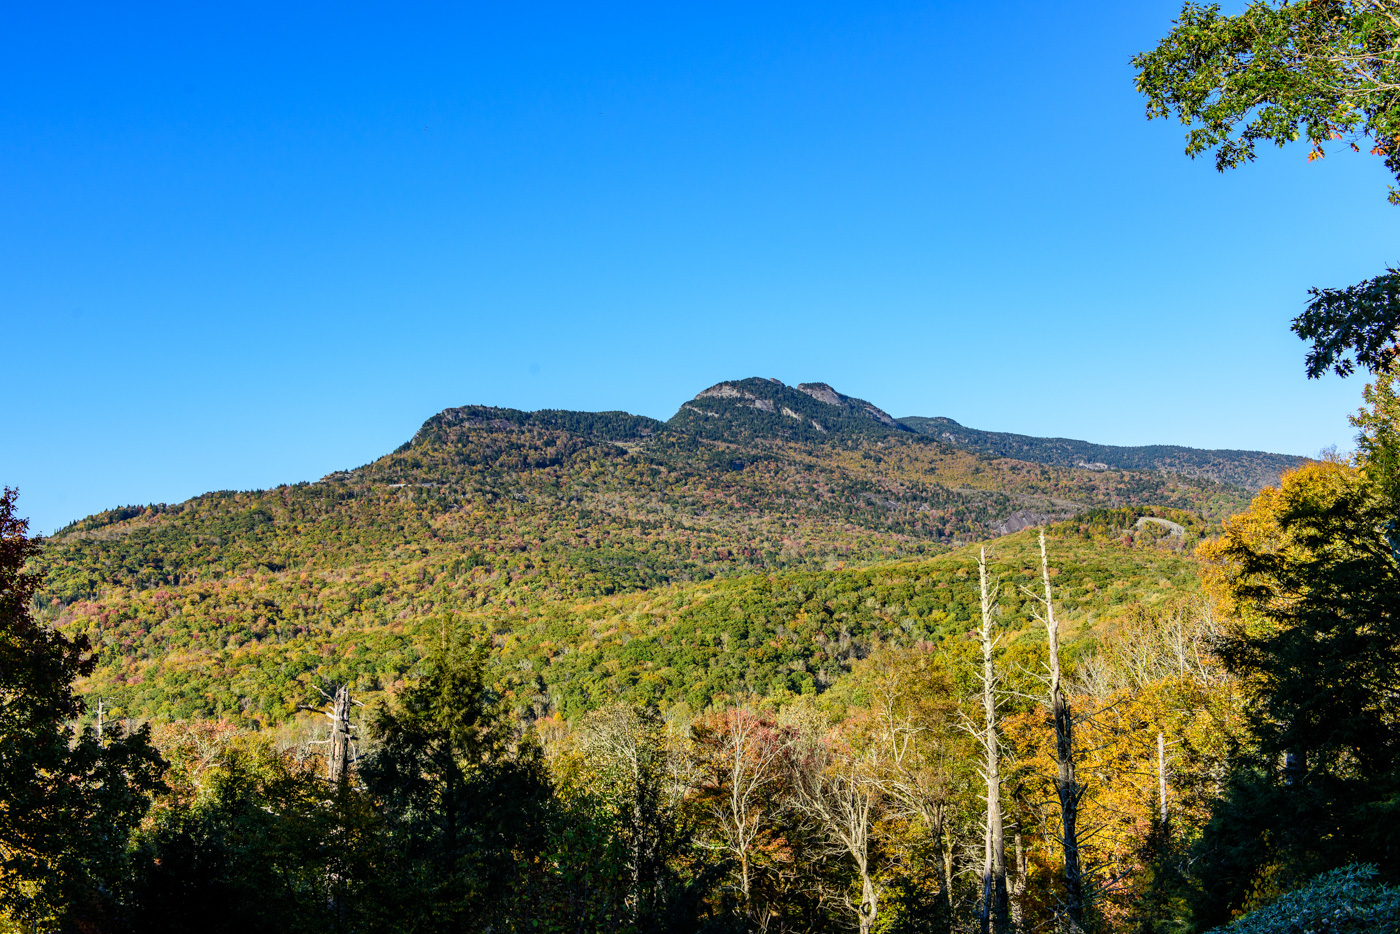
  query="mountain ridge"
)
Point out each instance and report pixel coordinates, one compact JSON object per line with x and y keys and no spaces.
{"x":231,"y":603}
{"x":1252,"y":470}
{"x":757,"y":409}
{"x":749,"y":408}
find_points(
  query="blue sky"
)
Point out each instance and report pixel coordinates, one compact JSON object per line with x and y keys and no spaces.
{"x":248,"y":245}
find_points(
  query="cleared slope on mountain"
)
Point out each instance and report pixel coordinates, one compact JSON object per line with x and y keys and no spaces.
{"x":1252,"y":470}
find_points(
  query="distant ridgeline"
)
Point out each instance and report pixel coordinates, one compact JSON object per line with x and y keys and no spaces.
{"x":1252,"y":470}
{"x":234,"y":603}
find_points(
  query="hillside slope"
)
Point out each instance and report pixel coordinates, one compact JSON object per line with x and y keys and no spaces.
{"x":525,"y":523}
{"x":1252,"y":470}
{"x":252,"y":646}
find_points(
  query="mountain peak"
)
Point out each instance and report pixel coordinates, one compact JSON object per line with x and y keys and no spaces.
{"x":823,"y":392}
{"x":758,"y":407}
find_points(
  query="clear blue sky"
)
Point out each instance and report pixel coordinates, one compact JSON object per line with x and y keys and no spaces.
{"x":251,"y":245}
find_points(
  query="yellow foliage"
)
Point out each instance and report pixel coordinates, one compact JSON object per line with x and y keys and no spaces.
{"x":1258,"y":530}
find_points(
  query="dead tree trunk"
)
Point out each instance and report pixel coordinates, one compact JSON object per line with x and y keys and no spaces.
{"x":1018,"y":887}
{"x":1162,"y":780}
{"x":339,"y":756}
{"x":1066,"y":785}
{"x":341,"y":749}
{"x":994,"y":900}
{"x":340,"y":753}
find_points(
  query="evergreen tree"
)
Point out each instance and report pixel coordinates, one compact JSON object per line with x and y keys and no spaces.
{"x":1312,"y":575}
{"x":68,"y":799}
{"x":464,"y":798}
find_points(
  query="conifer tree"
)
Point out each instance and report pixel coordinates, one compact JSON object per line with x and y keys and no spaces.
{"x":68,"y":800}
{"x":463,"y":796}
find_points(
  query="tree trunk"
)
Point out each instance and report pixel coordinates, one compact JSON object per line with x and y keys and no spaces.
{"x":868,"y":903}
{"x":1162,"y":780}
{"x":1294,"y":765}
{"x":1018,"y":887}
{"x":340,"y":736}
{"x":1066,"y":785}
{"x":948,"y":867}
{"x":994,"y":901}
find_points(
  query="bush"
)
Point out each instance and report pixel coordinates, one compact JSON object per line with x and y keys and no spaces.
{"x":1343,"y":901}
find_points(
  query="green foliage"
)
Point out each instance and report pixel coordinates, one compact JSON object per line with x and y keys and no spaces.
{"x":234,"y":604}
{"x":1378,"y":443}
{"x":608,"y":564}
{"x":1313,"y":578}
{"x":1322,"y":70}
{"x":68,"y":799}
{"x":799,"y":632}
{"x":1318,"y":646}
{"x":1343,"y":901}
{"x":253,"y":841}
{"x":605,"y":426}
{"x":1357,"y":321}
{"x":464,"y":805}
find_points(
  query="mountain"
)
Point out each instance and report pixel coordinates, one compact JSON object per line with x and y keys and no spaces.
{"x":577,"y":537}
{"x":748,"y":410}
{"x":752,"y":408}
{"x":1252,"y":470}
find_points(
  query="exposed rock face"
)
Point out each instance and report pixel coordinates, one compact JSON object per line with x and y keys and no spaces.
{"x":821,"y":392}
{"x":824,"y":393}
{"x":811,"y":411}
{"x":1173,"y":528}
{"x":724,"y":391}
{"x":1025,"y":519}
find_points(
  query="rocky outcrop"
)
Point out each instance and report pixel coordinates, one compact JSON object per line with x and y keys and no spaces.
{"x":824,"y":393}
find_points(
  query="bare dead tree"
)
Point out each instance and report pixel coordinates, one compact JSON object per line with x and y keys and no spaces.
{"x":340,"y":735}
{"x":1067,"y":787}
{"x":1018,"y":886}
{"x":341,"y":751}
{"x":994,"y":893}
{"x":841,"y":794}
{"x":1162,"y":778}
{"x":748,"y":765}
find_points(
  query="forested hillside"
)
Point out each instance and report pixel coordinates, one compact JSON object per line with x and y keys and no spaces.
{"x":741,"y":671}
{"x":226,"y":604}
{"x":1252,"y":470}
